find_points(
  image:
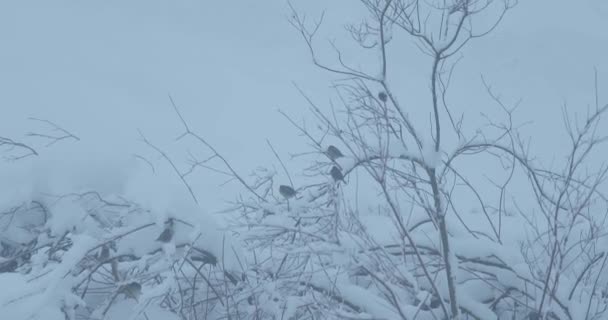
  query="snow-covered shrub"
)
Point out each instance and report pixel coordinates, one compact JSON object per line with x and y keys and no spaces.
{"x":102,"y":257}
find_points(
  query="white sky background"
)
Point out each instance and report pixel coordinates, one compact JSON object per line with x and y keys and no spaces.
{"x":103,"y":69}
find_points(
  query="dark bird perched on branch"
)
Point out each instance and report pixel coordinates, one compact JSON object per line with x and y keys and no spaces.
{"x":287,"y":191}
{"x":131,"y":290}
{"x":336,"y":173}
{"x":382,"y":96}
{"x":333,"y":153}
{"x":167,"y":234}
{"x":104,"y":254}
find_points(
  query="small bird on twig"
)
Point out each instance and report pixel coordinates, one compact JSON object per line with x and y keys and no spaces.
{"x":167,"y":234}
{"x":104,"y":254}
{"x":382,"y":96}
{"x":336,"y":173}
{"x":287,"y":191}
{"x":333,"y":153}
{"x":131,"y":290}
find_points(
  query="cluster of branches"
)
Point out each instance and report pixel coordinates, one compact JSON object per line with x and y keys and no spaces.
{"x":112,"y":260}
{"x":16,"y":150}
{"x":93,"y":256}
{"x":312,"y":254}
{"x":441,"y":262}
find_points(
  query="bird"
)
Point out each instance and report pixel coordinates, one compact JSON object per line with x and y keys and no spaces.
{"x":204,"y":257}
{"x":287,"y":191}
{"x":333,"y":153}
{"x":167,"y":234}
{"x":104,"y":254}
{"x":131,"y":290}
{"x":382,"y":96}
{"x":336,"y":173}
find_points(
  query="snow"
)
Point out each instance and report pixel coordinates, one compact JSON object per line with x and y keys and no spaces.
{"x":67,"y":215}
{"x":430,"y":156}
{"x":108,"y":192}
{"x":373,"y":305}
{"x":478,"y":309}
{"x":44,"y":297}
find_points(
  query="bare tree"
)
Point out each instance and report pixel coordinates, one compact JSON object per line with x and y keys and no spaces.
{"x":443,"y":263}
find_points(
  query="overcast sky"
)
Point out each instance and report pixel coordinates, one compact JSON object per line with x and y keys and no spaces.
{"x":104,"y":69}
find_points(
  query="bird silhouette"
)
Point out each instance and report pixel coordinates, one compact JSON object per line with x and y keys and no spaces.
{"x":167,"y":234}
{"x":131,"y":290}
{"x":336,"y":173}
{"x":287,"y":191}
{"x":333,"y":153}
{"x":382,"y":96}
{"x":104,"y":254}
